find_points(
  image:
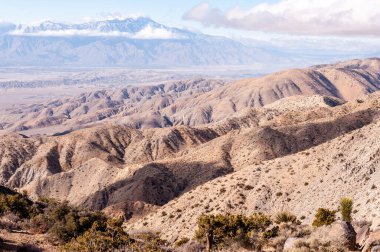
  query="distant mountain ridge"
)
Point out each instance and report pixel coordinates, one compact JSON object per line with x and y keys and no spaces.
{"x":128,"y":27}
{"x":139,"y":42}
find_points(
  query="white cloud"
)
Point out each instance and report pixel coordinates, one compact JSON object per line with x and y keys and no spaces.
{"x":303,"y":17}
{"x":112,"y":16}
{"x":148,"y":32}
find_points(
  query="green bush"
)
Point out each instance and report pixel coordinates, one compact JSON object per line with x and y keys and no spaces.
{"x":108,"y":236}
{"x":221,"y":230}
{"x":271,"y":233}
{"x":324,"y":217}
{"x":182,"y":241}
{"x":75,"y":229}
{"x":346,"y":209}
{"x":18,"y":204}
{"x":65,"y":222}
{"x":148,"y":242}
{"x":285,"y":217}
{"x":257,"y":222}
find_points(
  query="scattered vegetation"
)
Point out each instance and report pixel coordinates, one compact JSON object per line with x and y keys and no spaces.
{"x":248,"y":187}
{"x":285,"y":217}
{"x":222,"y":230}
{"x":102,"y":236}
{"x":324,"y":217}
{"x":76,"y":230}
{"x":63,"y":221}
{"x":18,"y":204}
{"x":182,"y":241}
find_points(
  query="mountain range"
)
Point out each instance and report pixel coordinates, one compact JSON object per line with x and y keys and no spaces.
{"x":139,"y":42}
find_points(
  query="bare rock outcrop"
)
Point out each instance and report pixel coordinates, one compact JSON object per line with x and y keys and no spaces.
{"x":343,"y":233}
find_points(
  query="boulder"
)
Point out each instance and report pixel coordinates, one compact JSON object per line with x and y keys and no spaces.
{"x":362,"y":234}
{"x":375,"y":249}
{"x":372,"y":242}
{"x":375,"y":224}
{"x":343,"y":233}
{"x":290,"y":243}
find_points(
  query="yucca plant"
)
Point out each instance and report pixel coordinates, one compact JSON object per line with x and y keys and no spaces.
{"x":346,"y":209}
{"x":285,"y":217}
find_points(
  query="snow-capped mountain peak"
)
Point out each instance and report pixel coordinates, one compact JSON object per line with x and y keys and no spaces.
{"x":137,"y":28}
{"x":134,"y":42}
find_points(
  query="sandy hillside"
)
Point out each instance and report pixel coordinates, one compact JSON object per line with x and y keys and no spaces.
{"x":345,"y":166}
{"x":112,"y":164}
{"x":192,"y":102}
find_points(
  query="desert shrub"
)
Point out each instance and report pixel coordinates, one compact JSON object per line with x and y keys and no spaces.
{"x":317,"y":245}
{"x":346,"y":209}
{"x":223,"y":230}
{"x":271,"y":233}
{"x":302,"y":231}
{"x":285,"y":217}
{"x":108,"y":236}
{"x":10,"y":221}
{"x":258,"y":222}
{"x":85,"y":231}
{"x":248,"y":187}
{"x":38,"y":224}
{"x":191,"y":246}
{"x":3,"y":204}
{"x":149,"y":242}
{"x":65,"y":222}
{"x":18,"y":204}
{"x":323,"y":217}
{"x":182,"y":241}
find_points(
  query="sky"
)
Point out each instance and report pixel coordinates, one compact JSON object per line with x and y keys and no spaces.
{"x":225,"y":17}
{"x":26,"y":11}
{"x":352,"y":23}
{"x":168,"y":12}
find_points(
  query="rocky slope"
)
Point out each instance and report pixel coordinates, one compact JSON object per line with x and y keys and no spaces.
{"x":115,"y":165}
{"x":194,"y":102}
{"x":343,"y":166}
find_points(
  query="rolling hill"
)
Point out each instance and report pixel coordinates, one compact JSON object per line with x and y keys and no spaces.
{"x":193,"y":102}
{"x":153,"y":166}
{"x":293,"y":141}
